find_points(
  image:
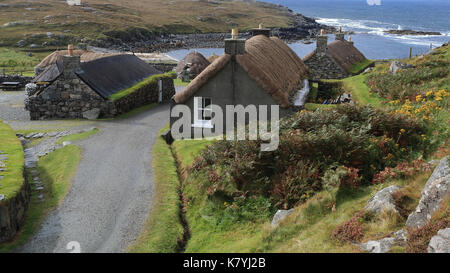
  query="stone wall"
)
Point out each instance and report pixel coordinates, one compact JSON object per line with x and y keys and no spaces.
{"x":323,"y":66}
{"x":146,"y":95}
{"x":12,"y":213}
{"x":15,"y":78}
{"x":71,"y":98}
{"x":164,"y":67}
{"x":66,"y":98}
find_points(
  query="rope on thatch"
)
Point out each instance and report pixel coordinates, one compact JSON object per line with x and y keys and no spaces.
{"x":202,"y":79}
{"x":196,"y":63}
{"x":274,"y":66}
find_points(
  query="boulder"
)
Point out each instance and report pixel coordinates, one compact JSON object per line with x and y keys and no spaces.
{"x":381,"y":246}
{"x":441,"y":242}
{"x":382,"y":200}
{"x":396,"y":66}
{"x":435,"y":191}
{"x":91,"y":114}
{"x":280,"y":216}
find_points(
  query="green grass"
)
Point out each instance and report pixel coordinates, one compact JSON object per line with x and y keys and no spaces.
{"x":359,"y":67}
{"x":360,"y":91}
{"x":148,"y":81}
{"x":56,"y":171}
{"x":163,"y":229}
{"x":17,"y":62}
{"x":13,"y":176}
{"x":80,"y":136}
{"x":315,"y":106}
{"x":187,"y":150}
{"x":179,"y":82}
{"x":178,"y":16}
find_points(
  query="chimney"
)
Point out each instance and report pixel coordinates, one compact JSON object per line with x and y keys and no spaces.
{"x":260,"y":31}
{"x":235,"y":46}
{"x":340,"y":35}
{"x":71,"y":63}
{"x":322,"y":42}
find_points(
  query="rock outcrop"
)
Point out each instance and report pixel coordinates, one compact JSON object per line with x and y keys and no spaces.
{"x":382,"y":200}
{"x":441,"y":242}
{"x":280,"y":216}
{"x":435,"y":191}
{"x":396,"y":66}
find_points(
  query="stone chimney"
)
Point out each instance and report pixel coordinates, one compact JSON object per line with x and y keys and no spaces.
{"x":235,"y":46}
{"x":71,"y":63}
{"x":322,"y":42}
{"x":340,"y":35}
{"x":260,"y":31}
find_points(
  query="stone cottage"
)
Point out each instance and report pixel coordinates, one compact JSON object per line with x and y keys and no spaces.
{"x":73,"y":89}
{"x":333,"y":60}
{"x":191,"y":66}
{"x":262,"y":70}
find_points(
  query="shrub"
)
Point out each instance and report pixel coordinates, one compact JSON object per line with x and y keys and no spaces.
{"x":350,"y":231}
{"x":402,"y":170}
{"x":362,"y":140}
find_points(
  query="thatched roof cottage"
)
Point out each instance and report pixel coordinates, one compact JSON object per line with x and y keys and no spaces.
{"x":336,"y":60}
{"x":260,"y":71}
{"x":102,"y":87}
{"x":194,"y":63}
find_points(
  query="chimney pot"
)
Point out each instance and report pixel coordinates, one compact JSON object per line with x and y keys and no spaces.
{"x":322,"y":32}
{"x":234,"y":33}
{"x":70,"y":49}
{"x":261,"y":26}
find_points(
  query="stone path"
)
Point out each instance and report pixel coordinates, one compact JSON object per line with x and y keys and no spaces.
{"x":111,"y":193}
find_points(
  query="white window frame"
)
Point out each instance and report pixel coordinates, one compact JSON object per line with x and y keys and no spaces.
{"x":200,"y":108}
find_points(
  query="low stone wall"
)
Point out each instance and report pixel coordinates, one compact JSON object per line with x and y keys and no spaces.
{"x":164,"y":67}
{"x":78,"y":99}
{"x":12,"y":213}
{"x":146,"y":95}
{"x":15,"y":78}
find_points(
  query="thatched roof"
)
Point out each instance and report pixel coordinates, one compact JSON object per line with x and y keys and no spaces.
{"x":202,"y":79}
{"x":344,"y":53}
{"x":85,"y":56}
{"x":196,"y":63}
{"x":212,"y":58}
{"x":268,"y":61}
{"x":112,"y":74}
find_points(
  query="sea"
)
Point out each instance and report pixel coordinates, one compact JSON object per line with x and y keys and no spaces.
{"x":369,"y":19}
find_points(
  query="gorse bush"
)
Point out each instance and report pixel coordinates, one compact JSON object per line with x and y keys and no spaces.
{"x":342,"y":147}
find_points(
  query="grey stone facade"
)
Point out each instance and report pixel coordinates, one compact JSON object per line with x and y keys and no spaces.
{"x":323,"y":66}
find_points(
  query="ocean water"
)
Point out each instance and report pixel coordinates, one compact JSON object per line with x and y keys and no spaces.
{"x":369,"y":23}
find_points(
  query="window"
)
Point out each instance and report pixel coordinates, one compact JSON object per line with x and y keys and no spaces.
{"x":202,"y":112}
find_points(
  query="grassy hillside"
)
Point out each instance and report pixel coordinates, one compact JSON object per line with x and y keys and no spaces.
{"x":32,"y":20}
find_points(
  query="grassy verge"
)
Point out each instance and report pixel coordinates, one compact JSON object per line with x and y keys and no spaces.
{"x":150,"y":80}
{"x":56,"y":171}
{"x":359,"y":67}
{"x":163,"y":230}
{"x":13,"y":175}
{"x":17,"y":62}
{"x":179,"y":82}
{"x":80,"y":136}
{"x":360,"y":91}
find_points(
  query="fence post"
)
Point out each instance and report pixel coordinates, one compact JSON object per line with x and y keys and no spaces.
{"x":410,"y":52}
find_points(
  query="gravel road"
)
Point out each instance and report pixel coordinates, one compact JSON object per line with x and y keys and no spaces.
{"x":112,"y":191}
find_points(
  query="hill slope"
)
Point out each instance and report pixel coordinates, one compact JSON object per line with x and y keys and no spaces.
{"x":108,"y":18}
